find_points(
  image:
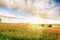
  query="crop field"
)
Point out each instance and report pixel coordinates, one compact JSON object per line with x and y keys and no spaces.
{"x":13,"y":31}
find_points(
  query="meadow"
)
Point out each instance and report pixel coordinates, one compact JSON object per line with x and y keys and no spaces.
{"x":13,"y":31}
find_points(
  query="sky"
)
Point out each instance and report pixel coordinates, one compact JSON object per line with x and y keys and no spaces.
{"x":30,"y":11}
{"x":57,"y":1}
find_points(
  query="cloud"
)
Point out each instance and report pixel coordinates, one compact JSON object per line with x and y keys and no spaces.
{"x":46,"y":8}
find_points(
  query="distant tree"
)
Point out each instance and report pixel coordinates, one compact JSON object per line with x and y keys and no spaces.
{"x":50,"y":25}
{"x":42,"y":25}
{"x":0,"y":19}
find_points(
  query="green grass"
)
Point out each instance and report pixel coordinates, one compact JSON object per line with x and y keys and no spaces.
{"x":6,"y":36}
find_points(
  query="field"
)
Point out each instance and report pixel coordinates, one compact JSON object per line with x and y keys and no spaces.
{"x":13,"y":31}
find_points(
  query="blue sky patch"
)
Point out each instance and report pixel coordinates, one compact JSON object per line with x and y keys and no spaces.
{"x":57,"y":1}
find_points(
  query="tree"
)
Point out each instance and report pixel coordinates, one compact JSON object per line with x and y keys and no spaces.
{"x":0,"y":20}
{"x":50,"y":25}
